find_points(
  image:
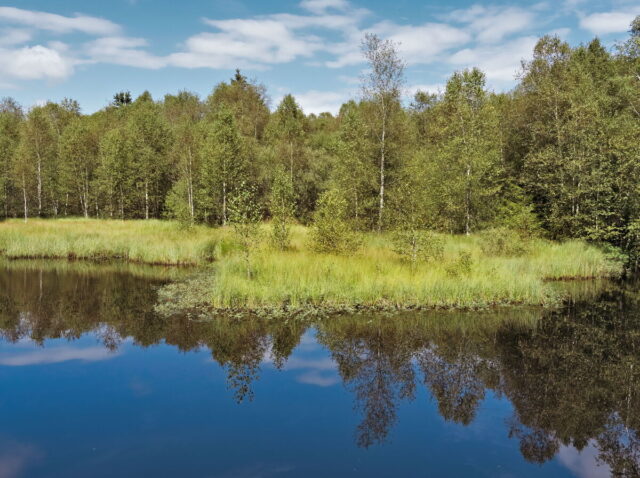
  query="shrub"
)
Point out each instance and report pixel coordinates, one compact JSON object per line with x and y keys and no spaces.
{"x":282,"y":205}
{"x":245,"y":216}
{"x":417,"y":245}
{"x":501,"y":241}
{"x":461,"y":266}
{"x":331,"y":231}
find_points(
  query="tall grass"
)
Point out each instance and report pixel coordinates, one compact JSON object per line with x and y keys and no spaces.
{"x":373,"y":277}
{"x":148,"y":242}
{"x":376,"y":278}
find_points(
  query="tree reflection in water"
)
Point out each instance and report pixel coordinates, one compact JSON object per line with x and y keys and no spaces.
{"x":572,"y":375}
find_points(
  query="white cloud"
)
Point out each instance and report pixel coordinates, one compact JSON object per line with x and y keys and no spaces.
{"x":35,"y":63}
{"x":261,"y":41}
{"x":321,"y":101}
{"x":58,"y":23}
{"x":318,"y":379}
{"x":499,"y":62}
{"x":320,"y":7}
{"x":423,"y":43}
{"x":416,"y":43}
{"x":123,"y":51}
{"x":14,"y":36}
{"x":56,"y":355}
{"x":15,"y":458}
{"x":584,"y":464}
{"x":245,"y":42}
{"x":491,"y":23}
{"x":609,"y":22}
{"x":433,"y":88}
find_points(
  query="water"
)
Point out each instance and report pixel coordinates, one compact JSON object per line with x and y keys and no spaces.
{"x":95,"y":383}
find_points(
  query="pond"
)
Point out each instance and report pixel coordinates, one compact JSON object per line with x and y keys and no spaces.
{"x":96,"y":383}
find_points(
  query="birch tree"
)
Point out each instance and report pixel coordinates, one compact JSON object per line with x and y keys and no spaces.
{"x":381,"y":85}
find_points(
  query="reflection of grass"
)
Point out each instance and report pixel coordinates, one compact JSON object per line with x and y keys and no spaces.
{"x":86,"y":268}
{"x":374,"y":277}
{"x":150,"y":242}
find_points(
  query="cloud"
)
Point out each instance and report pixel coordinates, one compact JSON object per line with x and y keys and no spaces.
{"x":499,"y":62}
{"x":584,"y":464}
{"x":14,"y":36}
{"x":16,"y":457}
{"x":320,"y":7}
{"x":245,"y":42}
{"x":318,"y":379}
{"x":319,"y":364}
{"x":433,"y":88}
{"x":316,"y":102}
{"x":56,"y":355}
{"x":123,"y":51}
{"x":266,"y":40}
{"x":320,"y":372}
{"x":491,"y":24}
{"x":423,"y":43}
{"x":58,"y":23}
{"x":609,"y":22}
{"x":35,"y":63}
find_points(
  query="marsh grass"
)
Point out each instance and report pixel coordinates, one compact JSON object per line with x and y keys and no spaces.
{"x":146,"y":242}
{"x":374,"y":277}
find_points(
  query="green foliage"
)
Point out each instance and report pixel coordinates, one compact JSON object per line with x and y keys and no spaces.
{"x":555,"y":157}
{"x":501,"y":241}
{"x":418,"y":246}
{"x":223,"y":164}
{"x":282,"y":208}
{"x":519,"y":217}
{"x":331,"y":231}
{"x":245,"y":216}
{"x":177,"y":204}
{"x":460,"y":266}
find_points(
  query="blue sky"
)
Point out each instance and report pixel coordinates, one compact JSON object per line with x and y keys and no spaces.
{"x":89,"y":49}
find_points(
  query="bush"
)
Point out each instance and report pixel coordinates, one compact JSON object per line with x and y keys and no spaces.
{"x":418,"y":245}
{"x":501,"y":241}
{"x":520,"y":218}
{"x":177,"y":206}
{"x":461,"y":266}
{"x":282,"y":205}
{"x":331,"y":231}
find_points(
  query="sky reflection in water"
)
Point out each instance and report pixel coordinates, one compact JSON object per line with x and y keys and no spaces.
{"x":96,"y":383}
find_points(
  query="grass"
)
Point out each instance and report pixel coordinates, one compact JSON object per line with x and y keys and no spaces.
{"x":145,"y":242}
{"x":373,"y":278}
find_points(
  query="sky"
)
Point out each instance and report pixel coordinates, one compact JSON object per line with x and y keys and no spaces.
{"x":89,"y":49}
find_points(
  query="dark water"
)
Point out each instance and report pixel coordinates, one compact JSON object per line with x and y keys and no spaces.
{"x":95,"y":383}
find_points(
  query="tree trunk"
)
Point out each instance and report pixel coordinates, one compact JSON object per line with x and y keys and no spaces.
{"x":24,"y":197}
{"x":190,"y":185}
{"x":467,"y":203}
{"x":146,"y":200}
{"x":291,"y":159}
{"x":224,"y":203}
{"x":382,"y":165}
{"x":39,"y":175}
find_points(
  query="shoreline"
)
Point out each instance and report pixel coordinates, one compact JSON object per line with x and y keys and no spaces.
{"x":300,"y":282}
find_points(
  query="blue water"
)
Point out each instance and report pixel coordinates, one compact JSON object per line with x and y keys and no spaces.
{"x":72,"y":406}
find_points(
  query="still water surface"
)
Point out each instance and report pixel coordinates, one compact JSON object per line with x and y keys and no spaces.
{"x":95,"y":383}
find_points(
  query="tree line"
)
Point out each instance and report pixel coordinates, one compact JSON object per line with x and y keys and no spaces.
{"x":559,"y":153}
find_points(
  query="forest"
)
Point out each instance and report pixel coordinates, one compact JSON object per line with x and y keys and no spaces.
{"x":558,"y":155}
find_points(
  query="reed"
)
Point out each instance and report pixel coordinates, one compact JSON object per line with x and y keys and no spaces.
{"x":372,"y":277}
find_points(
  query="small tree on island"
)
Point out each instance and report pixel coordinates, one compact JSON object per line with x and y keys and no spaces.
{"x":411,"y":238}
{"x":332,"y":231}
{"x":282,"y":209}
{"x":245,"y":216}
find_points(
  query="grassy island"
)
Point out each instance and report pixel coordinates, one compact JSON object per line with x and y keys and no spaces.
{"x":372,"y":277}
